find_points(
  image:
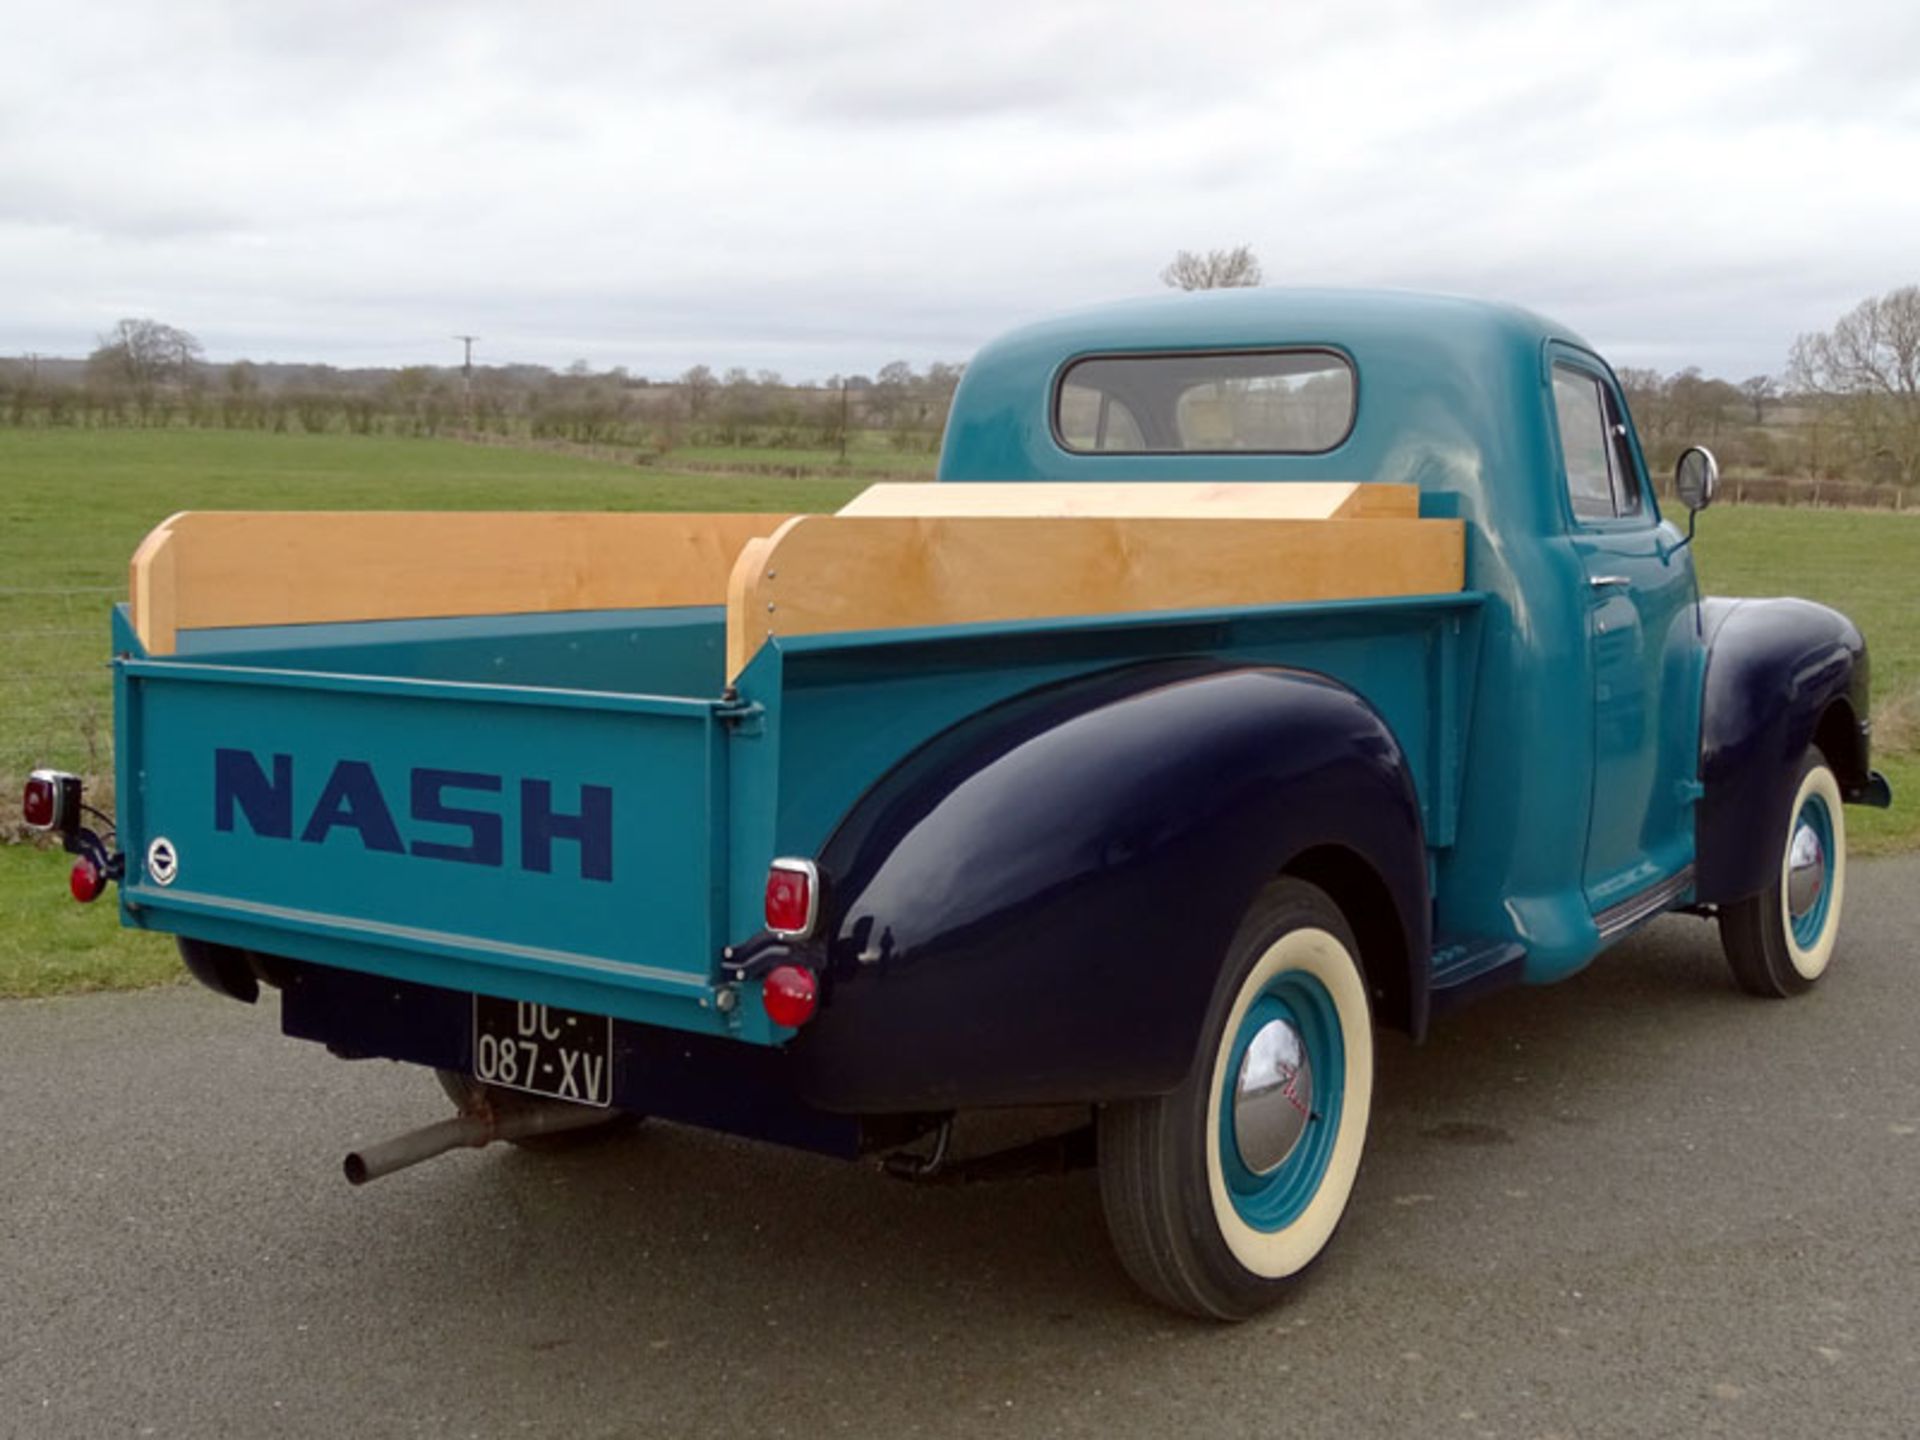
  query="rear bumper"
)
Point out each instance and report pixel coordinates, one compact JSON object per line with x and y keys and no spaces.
{"x":713,"y":1083}
{"x":458,"y":964}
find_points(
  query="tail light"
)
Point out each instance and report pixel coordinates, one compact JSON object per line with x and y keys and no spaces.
{"x":87,"y":881}
{"x":789,"y":994}
{"x":793,"y":894}
{"x":51,"y":801}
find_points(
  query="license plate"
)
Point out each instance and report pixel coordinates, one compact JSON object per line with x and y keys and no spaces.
{"x":543,"y":1050}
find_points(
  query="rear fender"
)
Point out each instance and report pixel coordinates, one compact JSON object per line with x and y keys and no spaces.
{"x":1033,"y":908}
{"x":1781,"y":675}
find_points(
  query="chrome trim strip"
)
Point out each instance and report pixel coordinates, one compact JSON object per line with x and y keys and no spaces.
{"x":1649,"y":902}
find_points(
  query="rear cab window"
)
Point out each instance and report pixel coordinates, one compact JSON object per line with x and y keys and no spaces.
{"x":1266,"y":402}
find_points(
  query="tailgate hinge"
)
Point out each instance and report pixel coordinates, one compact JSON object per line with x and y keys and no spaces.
{"x":745,"y":718}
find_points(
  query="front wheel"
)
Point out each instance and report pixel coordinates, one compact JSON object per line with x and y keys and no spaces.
{"x":1219,"y":1195}
{"x":1780,"y":941}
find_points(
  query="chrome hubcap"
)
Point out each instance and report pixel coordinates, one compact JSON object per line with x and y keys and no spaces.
{"x":1272,"y":1097}
{"x":1806,"y":870}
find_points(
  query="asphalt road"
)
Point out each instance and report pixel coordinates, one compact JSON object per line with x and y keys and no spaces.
{"x":1633,"y":1204}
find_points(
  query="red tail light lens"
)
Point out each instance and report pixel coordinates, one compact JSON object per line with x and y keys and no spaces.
{"x":51,"y":800}
{"x":37,"y":805}
{"x":789,"y":995}
{"x":86,"y":882}
{"x":793,"y":886}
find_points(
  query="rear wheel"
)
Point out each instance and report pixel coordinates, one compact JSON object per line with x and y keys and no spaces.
{"x":1220,"y":1195}
{"x":1780,"y":941}
{"x":476,"y":1097}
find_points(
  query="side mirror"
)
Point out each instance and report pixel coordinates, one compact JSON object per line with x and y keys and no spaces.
{"x":1696,"y":476}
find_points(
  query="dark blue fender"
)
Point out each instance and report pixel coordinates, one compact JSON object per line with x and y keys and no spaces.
{"x":1034,"y":907}
{"x":1781,"y":675}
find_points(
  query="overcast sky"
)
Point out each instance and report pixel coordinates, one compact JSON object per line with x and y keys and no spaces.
{"x":823,"y":187}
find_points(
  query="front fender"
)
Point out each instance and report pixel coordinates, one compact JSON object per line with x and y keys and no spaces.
{"x":1033,"y":908}
{"x":1780,"y":675}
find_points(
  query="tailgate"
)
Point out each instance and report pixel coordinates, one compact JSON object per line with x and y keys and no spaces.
{"x":561,"y":846}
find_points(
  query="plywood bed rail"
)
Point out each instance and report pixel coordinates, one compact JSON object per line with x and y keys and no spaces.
{"x":208,"y":568}
{"x":838,"y":573}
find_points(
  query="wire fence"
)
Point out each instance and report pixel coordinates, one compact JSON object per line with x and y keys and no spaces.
{"x":56,"y":687}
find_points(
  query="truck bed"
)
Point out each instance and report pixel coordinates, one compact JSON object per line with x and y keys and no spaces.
{"x":576,"y":804}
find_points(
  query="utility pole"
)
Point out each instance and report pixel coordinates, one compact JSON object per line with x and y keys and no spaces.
{"x":466,"y":377}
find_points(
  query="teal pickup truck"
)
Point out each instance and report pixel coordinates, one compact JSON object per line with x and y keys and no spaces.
{"x":1264,"y":666}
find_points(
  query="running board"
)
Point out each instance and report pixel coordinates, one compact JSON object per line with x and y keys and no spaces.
{"x":1616,"y":920}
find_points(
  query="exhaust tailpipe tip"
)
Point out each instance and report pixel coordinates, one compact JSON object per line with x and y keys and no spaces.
{"x":536,"y":1117}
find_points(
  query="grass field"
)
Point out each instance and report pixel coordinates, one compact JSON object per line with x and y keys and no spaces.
{"x":1867,"y":564}
{"x":872,"y":456}
{"x":73,"y":505}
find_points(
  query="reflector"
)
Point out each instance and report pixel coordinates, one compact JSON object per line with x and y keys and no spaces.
{"x":86,"y":882}
{"x":789,"y":995}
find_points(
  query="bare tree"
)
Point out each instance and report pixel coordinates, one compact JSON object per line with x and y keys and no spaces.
{"x":1215,"y":270}
{"x":144,"y":353}
{"x":1759,"y":389}
{"x":1646,"y":399}
{"x":892,"y":393}
{"x":943,"y":379}
{"x":1697,"y":404}
{"x":1867,"y":370}
{"x":698,"y":385}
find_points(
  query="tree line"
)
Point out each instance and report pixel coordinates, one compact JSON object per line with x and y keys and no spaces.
{"x":1847,"y":406}
{"x":149,"y":374}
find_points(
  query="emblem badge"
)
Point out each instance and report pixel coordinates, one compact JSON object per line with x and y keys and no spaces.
{"x":163,"y":861}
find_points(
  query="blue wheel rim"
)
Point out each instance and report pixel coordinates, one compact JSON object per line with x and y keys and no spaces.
{"x":1278,"y":1198}
{"x":1807,"y":928}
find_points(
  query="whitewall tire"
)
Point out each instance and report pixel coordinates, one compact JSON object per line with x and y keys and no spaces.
{"x":1223,"y":1192}
{"x":1779,"y":942}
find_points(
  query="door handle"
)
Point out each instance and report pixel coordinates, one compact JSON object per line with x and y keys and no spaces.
{"x":1609,"y":582}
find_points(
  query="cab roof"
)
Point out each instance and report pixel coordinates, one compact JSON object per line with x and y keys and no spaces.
{"x":1433,"y":372}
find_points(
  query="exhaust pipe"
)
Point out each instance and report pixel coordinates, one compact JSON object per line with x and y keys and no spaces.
{"x":535,"y":1117}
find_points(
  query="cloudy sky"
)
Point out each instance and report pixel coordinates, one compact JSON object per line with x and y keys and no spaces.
{"x":823,"y":187}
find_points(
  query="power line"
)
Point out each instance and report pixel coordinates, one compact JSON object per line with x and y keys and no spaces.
{"x":466,"y":377}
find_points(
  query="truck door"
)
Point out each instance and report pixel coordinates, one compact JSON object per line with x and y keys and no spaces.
{"x":1640,"y":595}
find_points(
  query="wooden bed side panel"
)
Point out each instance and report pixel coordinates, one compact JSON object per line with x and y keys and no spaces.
{"x":150,"y":585}
{"x":203,"y":569}
{"x":825,"y":574}
{"x":1142,"y":500}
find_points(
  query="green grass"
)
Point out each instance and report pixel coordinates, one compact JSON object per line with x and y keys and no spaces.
{"x":1863,"y":562}
{"x":74,"y":504}
{"x":863,"y":458}
{"x":51,"y":946}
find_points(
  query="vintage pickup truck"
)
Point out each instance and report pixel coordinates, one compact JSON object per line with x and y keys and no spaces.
{"x":1264,"y":666}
